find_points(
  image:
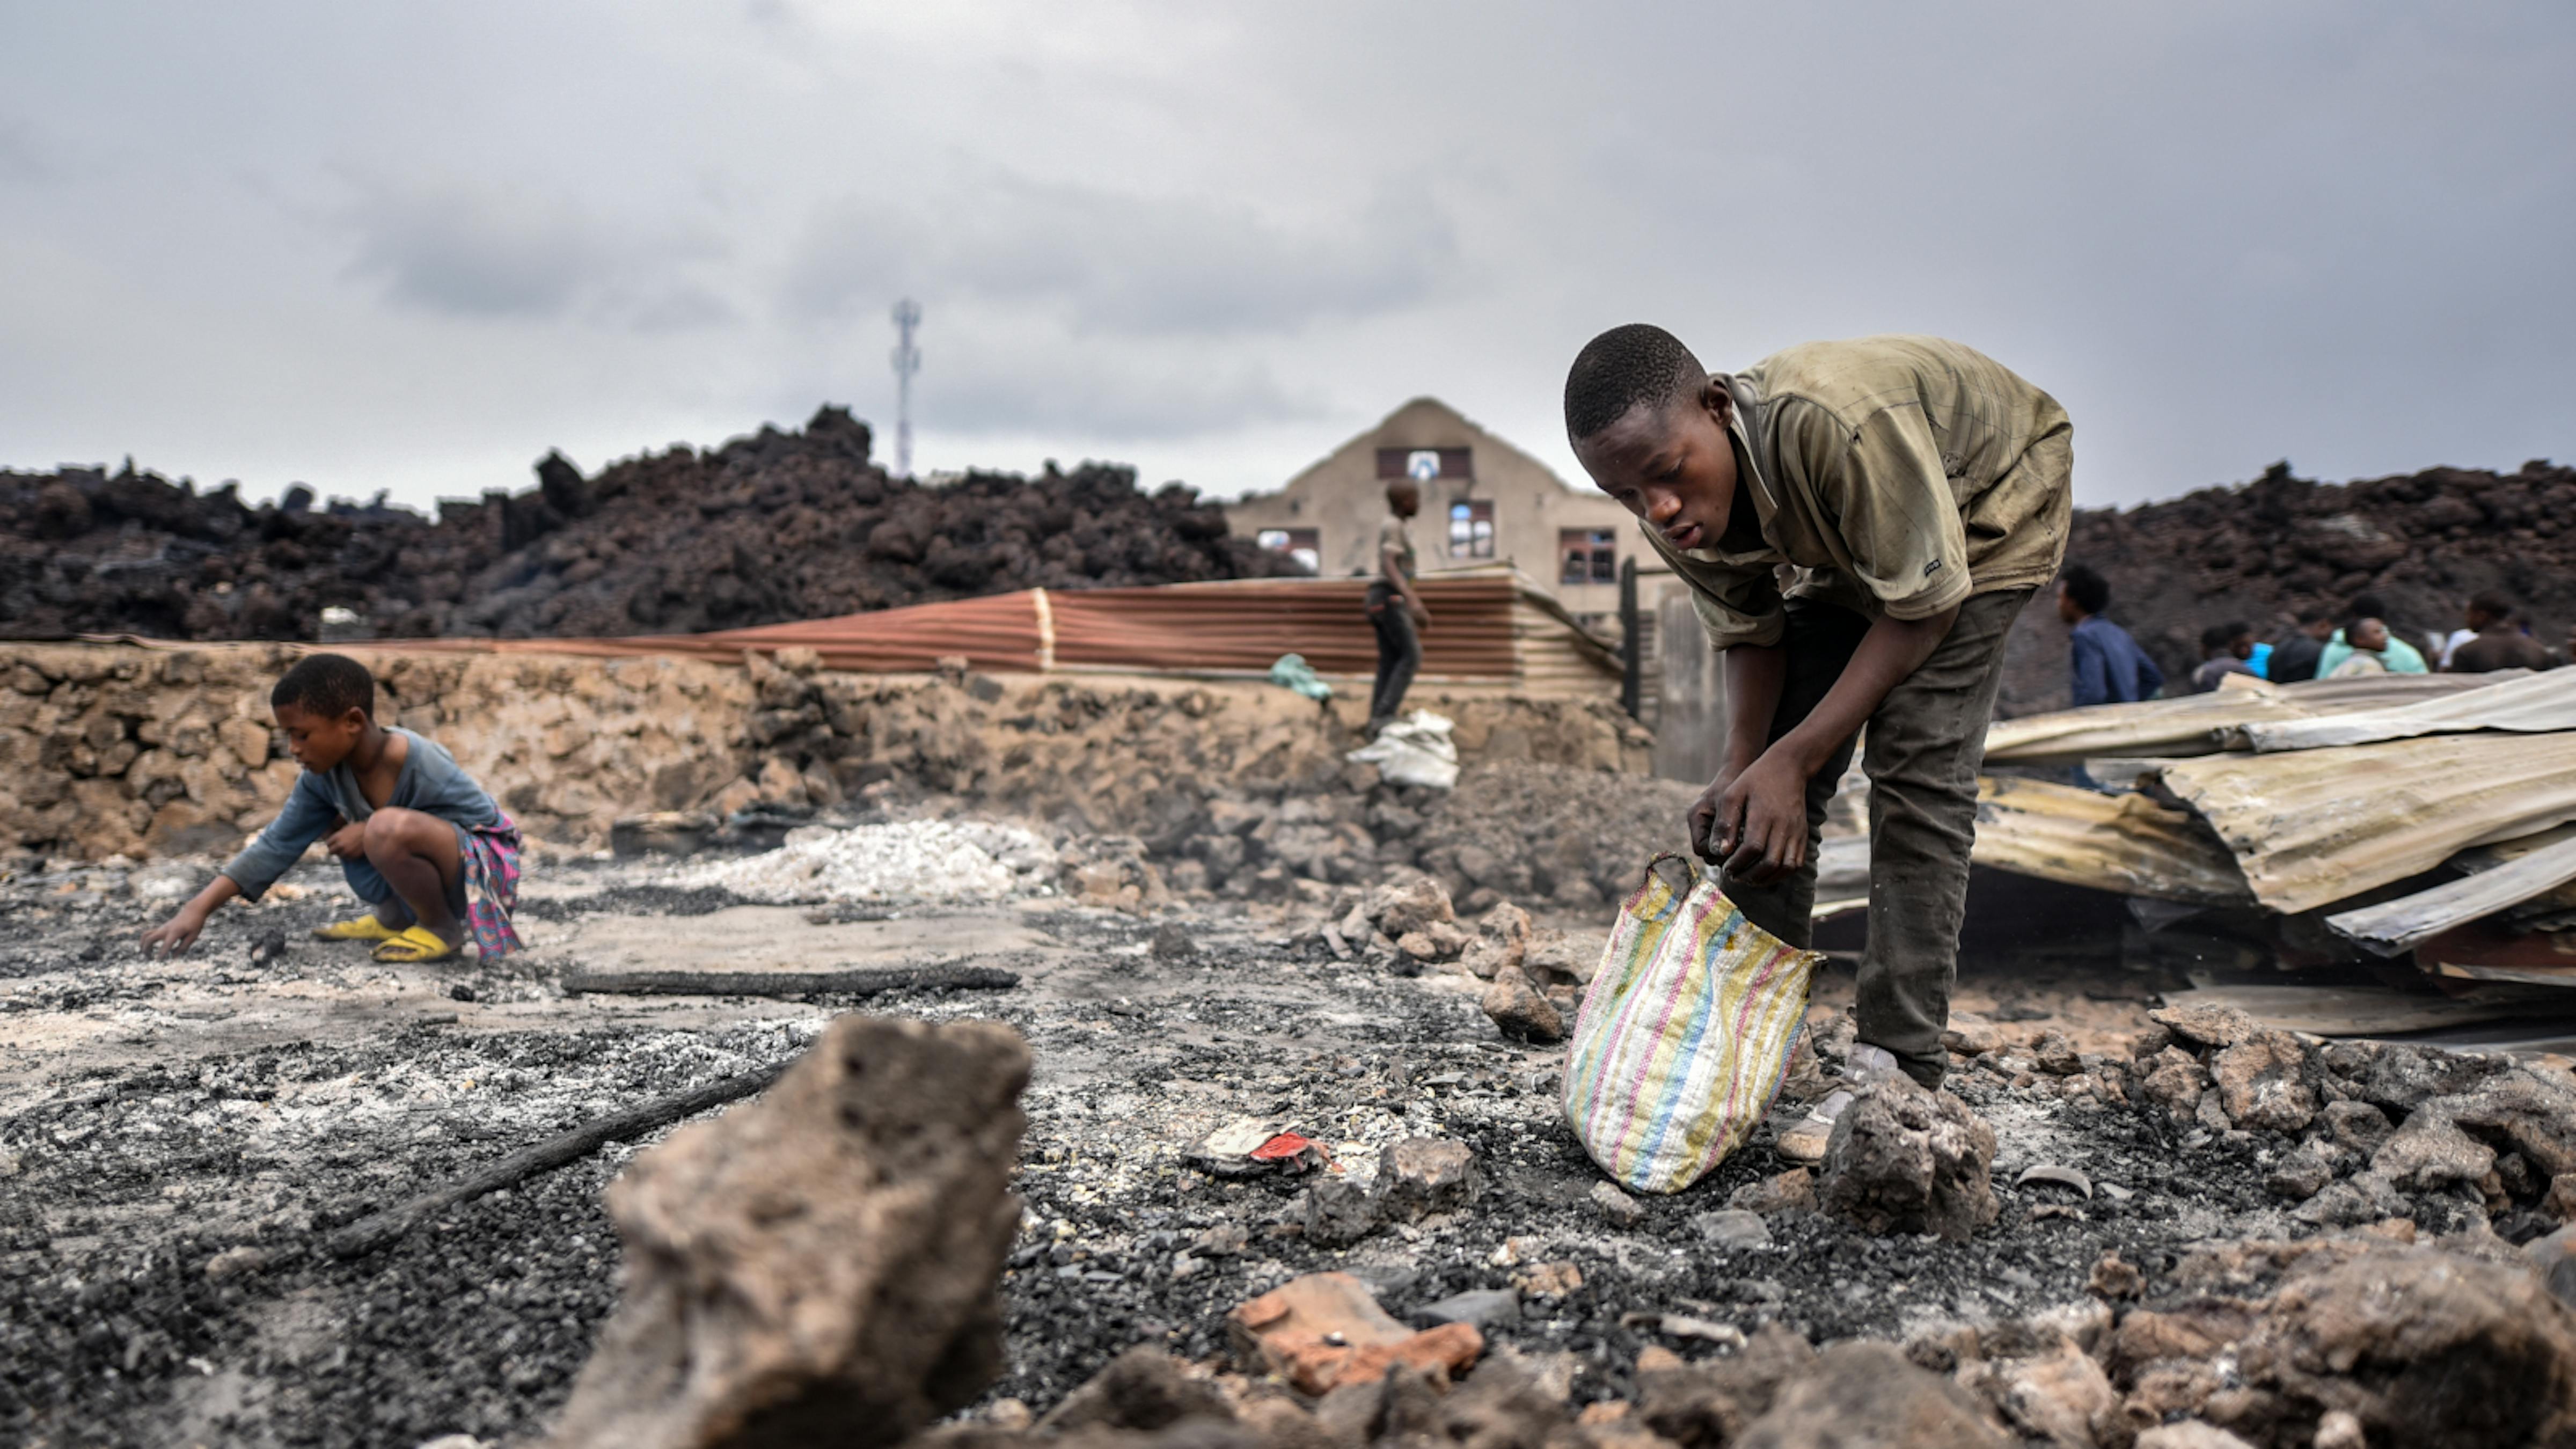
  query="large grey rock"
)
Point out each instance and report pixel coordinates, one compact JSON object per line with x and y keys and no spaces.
{"x":2430,"y":1151}
{"x":1421,"y":1175}
{"x":2399,"y":1077}
{"x":819,"y":1263}
{"x":1907,"y":1160}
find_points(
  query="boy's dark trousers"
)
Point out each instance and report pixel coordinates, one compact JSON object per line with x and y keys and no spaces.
{"x":1399,"y":650}
{"x":1924,"y":745}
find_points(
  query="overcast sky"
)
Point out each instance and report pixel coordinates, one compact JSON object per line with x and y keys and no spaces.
{"x":413,"y":246}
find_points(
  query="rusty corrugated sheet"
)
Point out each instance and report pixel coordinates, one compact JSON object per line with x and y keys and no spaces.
{"x":2195,"y":724}
{"x":2310,"y":827}
{"x":1489,"y":625}
{"x":2522,"y":704}
{"x":2124,"y":843}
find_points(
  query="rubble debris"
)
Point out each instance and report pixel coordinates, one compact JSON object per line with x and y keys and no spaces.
{"x":1517,"y":1008}
{"x":377,"y":1229}
{"x":1791,"y":1191}
{"x":1866,"y":1396}
{"x":2262,"y":1082}
{"x":1732,"y":1228}
{"x":1905,"y":1159}
{"x":1143,"y":1389}
{"x":1709,"y":1404}
{"x":769,"y":528}
{"x":825,"y":1255}
{"x":857,"y":981}
{"x":1326,"y":1329}
{"x":1616,"y":1208}
{"x":2057,"y":1174}
{"x":1339,"y":1212}
{"x":916,"y":860}
{"x":1417,"y":1176}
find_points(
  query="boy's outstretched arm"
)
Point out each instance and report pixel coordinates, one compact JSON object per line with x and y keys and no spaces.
{"x":1761,"y":816}
{"x":178,"y":933}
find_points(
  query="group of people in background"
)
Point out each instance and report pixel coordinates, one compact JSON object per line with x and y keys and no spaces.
{"x":2110,"y":668}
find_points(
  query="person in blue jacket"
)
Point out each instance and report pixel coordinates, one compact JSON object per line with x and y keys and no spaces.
{"x":2109,"y":666}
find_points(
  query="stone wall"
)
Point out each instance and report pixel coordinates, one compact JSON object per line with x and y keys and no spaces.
{"x":109,"y":749}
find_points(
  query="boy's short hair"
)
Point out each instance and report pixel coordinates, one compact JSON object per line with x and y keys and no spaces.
{"x":326,"y":684}
{"x":2315,"y":614}
{"x":2090,"y":591}
{"x":2219,"y":636}
{"x":1626,"y":366}
{"x":2367,"y":606}
{"x":2492,"y":604}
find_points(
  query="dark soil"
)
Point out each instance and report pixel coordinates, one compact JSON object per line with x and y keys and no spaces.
{"x":767,"y":528}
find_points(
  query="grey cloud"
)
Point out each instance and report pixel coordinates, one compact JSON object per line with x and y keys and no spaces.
{"x":25,"y":156}
{"x":1116,"y":398}
{"x":1127,"y":265}
{"x":471,"y":249}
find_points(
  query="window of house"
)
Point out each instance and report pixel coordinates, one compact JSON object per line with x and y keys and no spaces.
{"x":1471,"y":528}
{"x":1305,"y":545}
{"x":1425,"y":464}
{"x":1587,"y":555}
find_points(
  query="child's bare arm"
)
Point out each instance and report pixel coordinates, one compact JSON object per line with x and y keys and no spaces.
{"x":178,"y":933}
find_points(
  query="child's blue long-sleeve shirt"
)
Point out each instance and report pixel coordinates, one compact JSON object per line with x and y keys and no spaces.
{"x":2110,"y":668}
{"x":431,"y":782}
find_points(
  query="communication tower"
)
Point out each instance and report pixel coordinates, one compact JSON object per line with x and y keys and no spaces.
{"x":907,"y":361}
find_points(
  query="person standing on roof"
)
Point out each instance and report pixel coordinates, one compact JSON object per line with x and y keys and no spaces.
{"x":2109,"y":667}
{"x":1919,"y":493}
{"x":2398,"y":657}
{"x":1395,"y":609}
{"x":2295,"y":659}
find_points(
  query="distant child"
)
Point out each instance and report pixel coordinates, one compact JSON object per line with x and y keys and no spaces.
{"x":2493,"y":642}
{"x":2108,"y":665}
{"x":416,"y":837}
{"x":2224,"y":650}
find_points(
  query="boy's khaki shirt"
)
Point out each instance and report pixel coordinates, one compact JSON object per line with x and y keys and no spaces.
{"x":1893,"y":475}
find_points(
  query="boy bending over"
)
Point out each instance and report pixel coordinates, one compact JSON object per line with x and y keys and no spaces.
{"x":1858,"y":523}
{"x":416,"y":837}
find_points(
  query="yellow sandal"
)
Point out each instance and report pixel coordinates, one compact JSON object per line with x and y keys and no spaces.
{"x":364,"y":928}
{"x":419,"y":943}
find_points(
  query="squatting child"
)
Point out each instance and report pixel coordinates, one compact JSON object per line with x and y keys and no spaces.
{"x":1858,"y":523}
{"x":417,"y":839}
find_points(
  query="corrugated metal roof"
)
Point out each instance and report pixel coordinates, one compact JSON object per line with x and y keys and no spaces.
{"x":1489,"y":623}
{"x":2523,"y":704}
{"x":2404,"y":923}
{"x":2125,"y":843}
{"x":2194,"y":724}
{"x":2311,"y":827}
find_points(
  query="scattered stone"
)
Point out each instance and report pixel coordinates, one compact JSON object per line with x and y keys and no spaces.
{"x":2059,"y":1398}
{"x":270,"y":945}
{"x":2560,"y":1201}
{"x":1711,"y":1403}
{"x":2534,"y":1110}
{"x":1973,"y":1036}
{"x":2189,"y":1434}
{"x":234,"y":1262}
{"x":2399,"y":1077}
{"x":1173,"y":942}
{"x":1323,"y":1330}
{"x":1339,"y":1212}
{"x":2262,"y":1082}
{"x":1904,"y":1159}
{"x":1549,"y":1280}
{"x":1866,"y":1396}
{"x":1732,"y":1228}
{"x":1143,"y":1389}
{"x":2301,"y":1174}
{"x":1616,"y":1208}
{"x":1684,"y":1325}
{"x":2422,"y":1347}
{"x":2356,"y":1125}
{"x":2174,"y":1077}
{"x":2057,"y":1175}
{"x":1410,"y":906}
{"x":1782,"y":1192}
{"x":2430,"y":1151}
{"x":2205,"y":1025}
{"x":2056,"y":1055}
{"x":826,"y":1253}
{"x":1520,"y":1011}
{"x":2367,"y":1197}
{"x":1481,"y":1308}
{"x":1417,"y":1176}
{"x":2113,"y":1278}
{"x":2340,"y":1429}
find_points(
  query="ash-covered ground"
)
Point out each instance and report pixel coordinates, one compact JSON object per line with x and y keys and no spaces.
{"x":174,"y":1133}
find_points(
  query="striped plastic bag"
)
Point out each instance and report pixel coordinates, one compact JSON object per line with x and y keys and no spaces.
{"x":1684,"y":1035}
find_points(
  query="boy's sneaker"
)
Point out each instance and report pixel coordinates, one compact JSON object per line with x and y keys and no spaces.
{"x":364,"y":928}
{"x":1804,"y":1143}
